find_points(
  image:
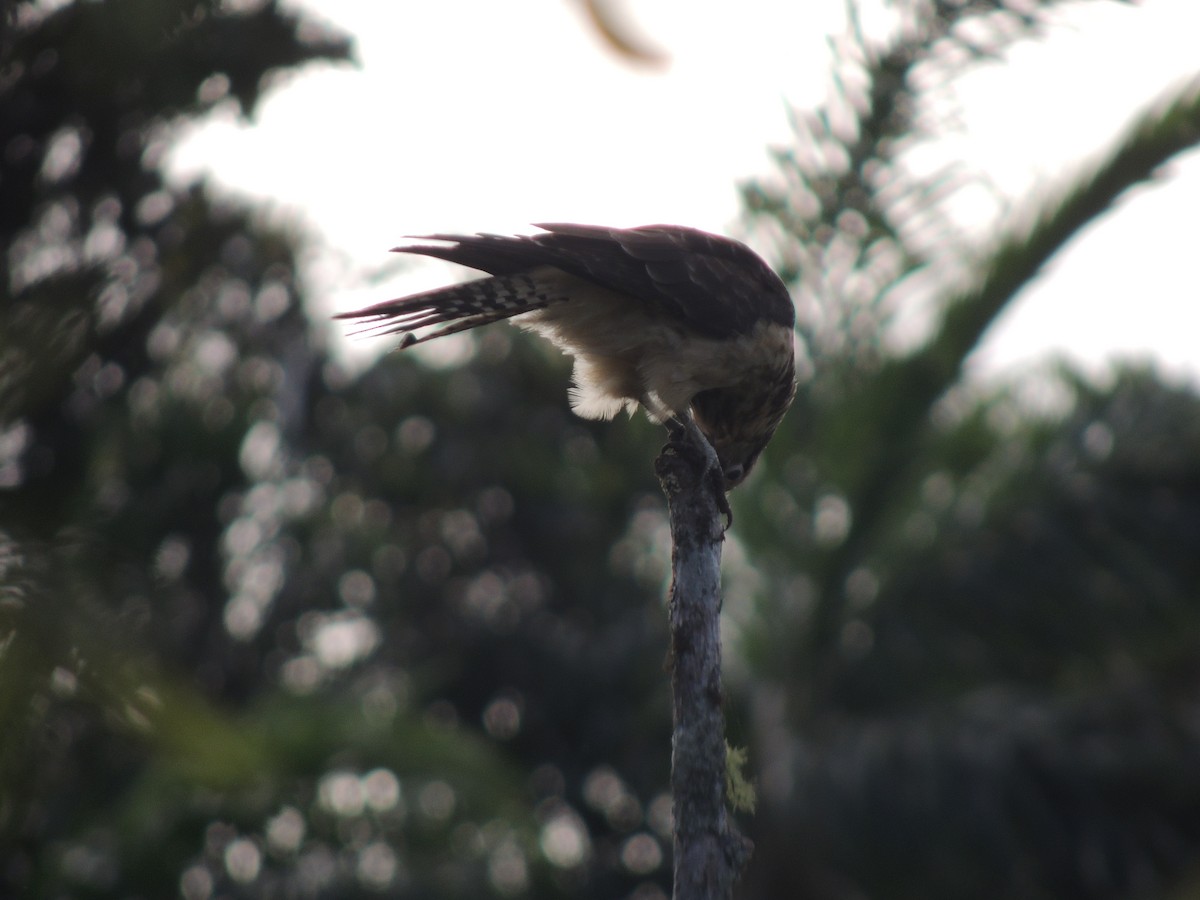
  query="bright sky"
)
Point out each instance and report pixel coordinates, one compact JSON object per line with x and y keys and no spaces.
{"x":473,"y":115}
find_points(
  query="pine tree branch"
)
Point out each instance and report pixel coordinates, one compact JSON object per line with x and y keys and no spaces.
{"x":709,"y":852}
{"x":843,"y":167}
{"x":904,"y":392}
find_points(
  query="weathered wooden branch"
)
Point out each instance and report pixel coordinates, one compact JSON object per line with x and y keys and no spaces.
{"x":709,"y":852}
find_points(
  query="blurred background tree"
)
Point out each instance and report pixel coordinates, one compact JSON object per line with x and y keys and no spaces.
{"x":267,"y":629}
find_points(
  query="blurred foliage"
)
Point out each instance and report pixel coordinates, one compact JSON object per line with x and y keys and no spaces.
{"x":991,"y":691}
{"x":267,"y":629}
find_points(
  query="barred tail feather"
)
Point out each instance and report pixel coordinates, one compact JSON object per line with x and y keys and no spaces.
{"x":457,"y":308}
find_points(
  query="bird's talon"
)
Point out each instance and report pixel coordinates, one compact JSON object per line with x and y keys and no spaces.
{"x":684,"y":437}
{"x":722,"y":498}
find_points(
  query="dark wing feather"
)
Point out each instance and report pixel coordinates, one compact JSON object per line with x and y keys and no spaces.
{"x":495,"y":254}
{"x":714,"y":285}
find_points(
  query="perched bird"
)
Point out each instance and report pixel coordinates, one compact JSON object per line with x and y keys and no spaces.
{"x":671,"y":318}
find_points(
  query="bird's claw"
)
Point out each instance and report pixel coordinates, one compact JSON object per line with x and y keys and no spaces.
{"x":683,"y":435}
{"x":722,"y":497}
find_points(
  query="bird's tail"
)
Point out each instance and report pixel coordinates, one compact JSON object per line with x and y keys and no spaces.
{"x":456,"y":308}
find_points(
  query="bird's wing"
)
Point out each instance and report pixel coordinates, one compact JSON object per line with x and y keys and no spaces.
{"x":713,"y":285}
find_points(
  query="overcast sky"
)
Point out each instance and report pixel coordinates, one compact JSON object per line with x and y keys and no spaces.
{"x":472,"y":115}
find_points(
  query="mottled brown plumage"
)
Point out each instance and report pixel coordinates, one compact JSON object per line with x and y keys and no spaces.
{"x":671,"y":318}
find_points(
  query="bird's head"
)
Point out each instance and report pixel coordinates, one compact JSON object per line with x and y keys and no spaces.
{"x":737,"y":459}
{"x":740,"y":423}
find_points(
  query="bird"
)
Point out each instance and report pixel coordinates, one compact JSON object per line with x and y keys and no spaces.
{"x":693,"y":327}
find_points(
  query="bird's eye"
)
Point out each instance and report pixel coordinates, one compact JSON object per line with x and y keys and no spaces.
{"x":734,"y":474}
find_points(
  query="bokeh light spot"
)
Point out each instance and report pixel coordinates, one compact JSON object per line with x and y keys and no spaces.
{"x":508,"y":871}
{"x":243,"y":860}
{"x":502,"y":718}
{"x":381,"y":788}
{"x":564,"y":839}
{"x":285,"y":831}
{"x":377,"y":866}
{"x":341,"y":793}
{"x":437,"y":801}
{"x":641,"y":854}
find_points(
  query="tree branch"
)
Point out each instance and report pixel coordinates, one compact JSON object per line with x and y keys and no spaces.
{"x":709,"y":852}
